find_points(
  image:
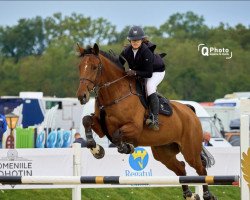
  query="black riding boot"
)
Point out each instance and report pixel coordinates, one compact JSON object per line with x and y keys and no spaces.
{"x":152,"y":121}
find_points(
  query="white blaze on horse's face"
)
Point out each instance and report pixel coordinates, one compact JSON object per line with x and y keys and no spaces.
{"x":88,"y":72}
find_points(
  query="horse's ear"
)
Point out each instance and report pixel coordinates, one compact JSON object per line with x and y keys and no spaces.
{"x":96,"y":49}
{"x":79,"y":49}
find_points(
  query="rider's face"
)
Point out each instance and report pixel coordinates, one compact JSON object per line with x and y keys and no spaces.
{"x":136,"y":43}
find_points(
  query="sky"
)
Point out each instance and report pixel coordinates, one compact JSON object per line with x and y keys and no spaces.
{"x":123,"y":13}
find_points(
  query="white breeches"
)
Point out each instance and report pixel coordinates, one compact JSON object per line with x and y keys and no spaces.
{"x":153,"y":82}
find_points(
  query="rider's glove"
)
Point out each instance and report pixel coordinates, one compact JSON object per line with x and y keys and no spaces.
{"x":131,"y":72}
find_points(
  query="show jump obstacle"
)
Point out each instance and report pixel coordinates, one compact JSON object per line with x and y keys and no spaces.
{"x":127,"y":180}
{"x":120,"y":180}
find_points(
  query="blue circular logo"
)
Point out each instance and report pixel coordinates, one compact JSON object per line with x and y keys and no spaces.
{"x":139,"y":159}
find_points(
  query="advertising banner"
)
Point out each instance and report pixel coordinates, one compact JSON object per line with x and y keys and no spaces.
{"x":59,"y":162}
{"x":35,"y":162}
{"x":142,"y":163}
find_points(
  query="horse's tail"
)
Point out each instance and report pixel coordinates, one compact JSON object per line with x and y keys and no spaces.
{"x":207,"y":158}
{"x":191,"y":107}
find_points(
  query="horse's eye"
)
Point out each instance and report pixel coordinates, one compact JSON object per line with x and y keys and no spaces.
{"x":93,"y":67}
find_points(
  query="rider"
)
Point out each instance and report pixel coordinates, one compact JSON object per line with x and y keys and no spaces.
{"x":145,"y":64}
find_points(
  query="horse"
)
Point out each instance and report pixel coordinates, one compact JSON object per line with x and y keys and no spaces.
{"x":120,"y":114}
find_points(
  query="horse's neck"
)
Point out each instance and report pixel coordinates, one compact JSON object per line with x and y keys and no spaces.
{"x":118,"y":87}
{"x":110,"y":71}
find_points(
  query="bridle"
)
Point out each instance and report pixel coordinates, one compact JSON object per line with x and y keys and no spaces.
{"x":98,"y":74}
{"x":97,"y":87}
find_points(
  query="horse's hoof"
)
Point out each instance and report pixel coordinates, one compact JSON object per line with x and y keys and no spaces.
{"x":132,"y":148}
{"x":209,"y":196}
{"x":91,"y":143}
{"x":193,"y":197}
{"x":126,"y":148}
{"x":188,"y":195}
{"x":98,"y":152}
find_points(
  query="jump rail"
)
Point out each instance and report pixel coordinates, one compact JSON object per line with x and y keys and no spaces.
{"x":119,"y":180}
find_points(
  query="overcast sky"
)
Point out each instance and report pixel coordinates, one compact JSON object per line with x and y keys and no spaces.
{"x":122,"y":13}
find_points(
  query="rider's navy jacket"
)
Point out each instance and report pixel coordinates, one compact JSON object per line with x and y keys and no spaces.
{"x":158,"y":65}
{"x":143,"y":61}
{"x":145,"y":53}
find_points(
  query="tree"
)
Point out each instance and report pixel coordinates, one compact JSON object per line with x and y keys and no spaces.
{"x":122,"y":36}
{"x":241,"y":34}
{"x":79,"y":29}
{"x":189,"y":75}
{"x":187,"y":25}
{"x":152,"y":31}
{"x":26,"y":38}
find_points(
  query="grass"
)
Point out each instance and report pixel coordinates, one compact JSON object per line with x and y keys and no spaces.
{"x":167,"y":193}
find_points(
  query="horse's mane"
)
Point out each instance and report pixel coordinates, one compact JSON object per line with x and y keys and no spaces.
{"x":109,"y":56}
{"x":114,"y":59}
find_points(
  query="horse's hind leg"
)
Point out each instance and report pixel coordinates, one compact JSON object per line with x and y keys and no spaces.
{"x":207,"y":195}
{"x":167,"y":155}
{"x":198,"y":162}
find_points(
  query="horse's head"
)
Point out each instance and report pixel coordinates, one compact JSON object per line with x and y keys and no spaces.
{"x":89,"y":71}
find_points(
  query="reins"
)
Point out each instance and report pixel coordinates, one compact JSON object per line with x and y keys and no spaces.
{"x":96,"y":87}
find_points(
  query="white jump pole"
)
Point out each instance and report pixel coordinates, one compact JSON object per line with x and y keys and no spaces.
{"x":76,"y":191}
{"x":244,"y":143}
{"x":120,"y":180}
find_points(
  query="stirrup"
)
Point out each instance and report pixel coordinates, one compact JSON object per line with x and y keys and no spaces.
{"x":149,"y":121}
{"x":152,"y":124}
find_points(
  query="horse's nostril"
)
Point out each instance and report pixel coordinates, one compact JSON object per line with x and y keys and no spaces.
{"x":79,"y":97}
{"x":82,"y":98}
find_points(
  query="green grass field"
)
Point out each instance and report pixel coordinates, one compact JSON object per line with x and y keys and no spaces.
{"x":161,"y":193}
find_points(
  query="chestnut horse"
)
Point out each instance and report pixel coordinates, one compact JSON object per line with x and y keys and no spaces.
{"x":118,"y":105}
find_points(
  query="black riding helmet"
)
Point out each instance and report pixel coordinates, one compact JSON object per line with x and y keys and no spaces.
{"x":136,"y":33}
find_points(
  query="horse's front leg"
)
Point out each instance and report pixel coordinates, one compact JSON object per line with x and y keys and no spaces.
{"x":129,"y":132}
{"x":97,"y":150}
{"x":122,"y":147}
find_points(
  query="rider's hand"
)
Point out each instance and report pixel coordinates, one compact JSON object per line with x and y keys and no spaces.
{"x":131,"y":72}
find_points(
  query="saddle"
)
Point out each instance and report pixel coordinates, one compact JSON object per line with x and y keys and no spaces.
{"x":165,"y":107}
